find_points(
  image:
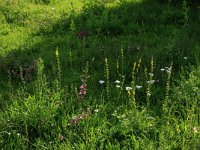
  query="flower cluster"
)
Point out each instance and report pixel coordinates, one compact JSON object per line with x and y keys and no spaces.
{"x":83,"y":90}
{"x":167,"y":69}
{"x":101,"y":81}
{"x":138,"y":86}
{"x":151,"y":81}
{"x":117,"y":84}
{"x":84,"y":79}
{"x":129,"y":88}
{"x":76,"y":119}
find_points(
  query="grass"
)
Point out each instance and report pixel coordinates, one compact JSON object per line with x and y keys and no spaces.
{"x":54,"y":53}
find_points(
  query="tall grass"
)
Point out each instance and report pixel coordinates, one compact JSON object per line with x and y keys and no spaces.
{"x":111,"y":83}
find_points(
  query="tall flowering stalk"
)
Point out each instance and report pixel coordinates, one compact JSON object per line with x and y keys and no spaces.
{"x":21,"y":75}
{"x":107,"y":75}
{"x":138,"y":65}
{"x":83,"y":88}
{"x":149,"y":83}
{"x":133,"y":85}
{"x":166,"y":101}
{"x":59,"y":69}
{"x":122,"y":67}
{"x":122,"y":61}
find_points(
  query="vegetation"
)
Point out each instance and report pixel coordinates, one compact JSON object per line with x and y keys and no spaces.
{"x":99,"y":74}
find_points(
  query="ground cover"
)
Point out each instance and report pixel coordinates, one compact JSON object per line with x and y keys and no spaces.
{"x":99,"y":75}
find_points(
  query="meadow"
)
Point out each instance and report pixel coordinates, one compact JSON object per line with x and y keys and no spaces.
{"x":99,"y":74}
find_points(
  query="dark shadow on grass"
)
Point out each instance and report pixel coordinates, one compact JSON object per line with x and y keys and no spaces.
{"x":143,"y":30}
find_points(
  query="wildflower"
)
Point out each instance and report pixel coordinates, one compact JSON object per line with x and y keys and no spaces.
{"x":57,"y":53}
{"x":117,"y":86}
{"x":138,"y":86}
{"x":128,"y":88}
{"x":9,"y":133}
{"x":76,"y":119}
{"x":117,"y":81}
{"x":101,"y":81}
{"x":82,"y":92}
{"x":83,"y":86}
{"x":18,"y":134}
{"x":162,"y":69}
{"x":194,"y":130}
{"x":151,"y":74}
{"x":151,"y":81}
{"x":185,"y":58}
{"x":168,"y":71}
{"x":96,"y":110}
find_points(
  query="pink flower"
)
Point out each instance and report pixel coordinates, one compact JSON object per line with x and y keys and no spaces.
{"x":76,"y":119}
{"x":82,"y":91}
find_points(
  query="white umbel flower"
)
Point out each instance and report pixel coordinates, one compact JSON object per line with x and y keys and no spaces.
{"x":117,"y":81}
{"x":128,"y":88}
{"x":117,"y":86}
{"x":138,"y":86}
{"x":151,"y":81}
{"x":162,"y":69}
{"x":101,"y":81}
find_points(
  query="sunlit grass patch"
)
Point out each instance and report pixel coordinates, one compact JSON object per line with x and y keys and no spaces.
{"x":98,"y":75}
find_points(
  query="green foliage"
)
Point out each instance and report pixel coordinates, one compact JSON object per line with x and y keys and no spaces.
{"x":187,"y":95}
{"x":53,"y":53}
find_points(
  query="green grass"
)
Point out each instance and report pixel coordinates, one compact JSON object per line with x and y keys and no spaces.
{"x":52,"y":52}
